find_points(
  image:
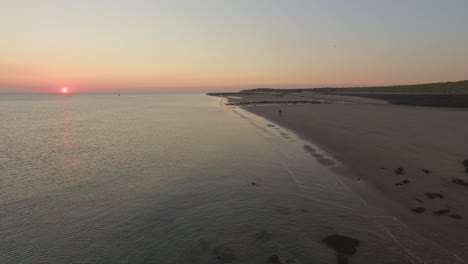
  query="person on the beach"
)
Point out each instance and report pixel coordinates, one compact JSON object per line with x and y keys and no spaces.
{"x":280,"y":112}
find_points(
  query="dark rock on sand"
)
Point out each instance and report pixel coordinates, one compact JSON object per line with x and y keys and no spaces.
{"x":456,"y":216}
{"x":403,"y":182}
{"x":224,"y":255}
{"x":418,"y":210}
{"x":274,"y":260}
{"x":441,"y":212}
{"x":254,"y":183}
{"x":465,"y":163}
{"x":263,"y":236}
{"x":460,"y":182}
{"x":426,"y":171}
{"x":434,"y":195}
{"x":400,"y":171}
{"x":343,"y":245}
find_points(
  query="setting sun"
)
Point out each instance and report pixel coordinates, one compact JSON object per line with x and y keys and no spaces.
{"x":64,"y":90}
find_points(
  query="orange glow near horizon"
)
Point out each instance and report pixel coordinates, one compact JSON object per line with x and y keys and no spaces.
{"x":174,"y":46}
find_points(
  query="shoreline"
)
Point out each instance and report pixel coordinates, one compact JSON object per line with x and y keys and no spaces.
{"x":409,"y":154}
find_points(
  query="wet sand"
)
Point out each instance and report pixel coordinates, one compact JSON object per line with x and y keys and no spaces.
{"x":413,"y":155}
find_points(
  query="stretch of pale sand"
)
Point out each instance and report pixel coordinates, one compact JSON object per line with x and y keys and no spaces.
{"x":372,"y":139}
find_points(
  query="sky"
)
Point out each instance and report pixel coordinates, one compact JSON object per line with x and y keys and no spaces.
{"x":221,"y":45}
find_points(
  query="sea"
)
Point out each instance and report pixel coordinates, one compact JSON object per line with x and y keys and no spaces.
{"x":178,"y":178}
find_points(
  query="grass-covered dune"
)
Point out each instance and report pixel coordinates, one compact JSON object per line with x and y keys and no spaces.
{"x":448,"y":94}
{"x":445,"y":87}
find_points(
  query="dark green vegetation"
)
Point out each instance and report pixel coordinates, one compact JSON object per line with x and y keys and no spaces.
{"x":276,"y":90}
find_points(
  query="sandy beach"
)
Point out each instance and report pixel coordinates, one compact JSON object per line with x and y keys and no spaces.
{"x":413,"y":155}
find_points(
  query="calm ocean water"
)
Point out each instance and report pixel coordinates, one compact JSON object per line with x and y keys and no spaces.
{"x":156,"y":178}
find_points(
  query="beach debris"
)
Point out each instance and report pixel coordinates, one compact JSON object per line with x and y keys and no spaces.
{"x":263,"y":236}
{"x":344,"y":247}
{"x":275,"y":259}
{"x":456,"y":216}
{"x":434,"y":195}
{"x":400,"y":171}
{"x":418,"y":210}
{"x":460,"y":182}
{"x":224,"y":255}
{"x":402,"y":182}
{"x":441,"y":212}
{"x":465,"y":163}
{"x":253,"y":183}
{"x":426,"y":171}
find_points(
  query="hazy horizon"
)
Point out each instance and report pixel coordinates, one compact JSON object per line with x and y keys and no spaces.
{"x":192,"y":46}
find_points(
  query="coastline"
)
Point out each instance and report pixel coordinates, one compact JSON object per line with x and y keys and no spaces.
{"x":409,"y":154}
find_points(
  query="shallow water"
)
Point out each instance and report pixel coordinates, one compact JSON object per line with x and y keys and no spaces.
{"x":168,"y":179}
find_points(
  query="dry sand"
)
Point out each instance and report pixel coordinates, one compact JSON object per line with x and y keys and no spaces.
{"x":374,"y":140}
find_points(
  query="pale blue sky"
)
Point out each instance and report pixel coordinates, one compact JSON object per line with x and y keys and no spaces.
{"x":206,"y":45}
